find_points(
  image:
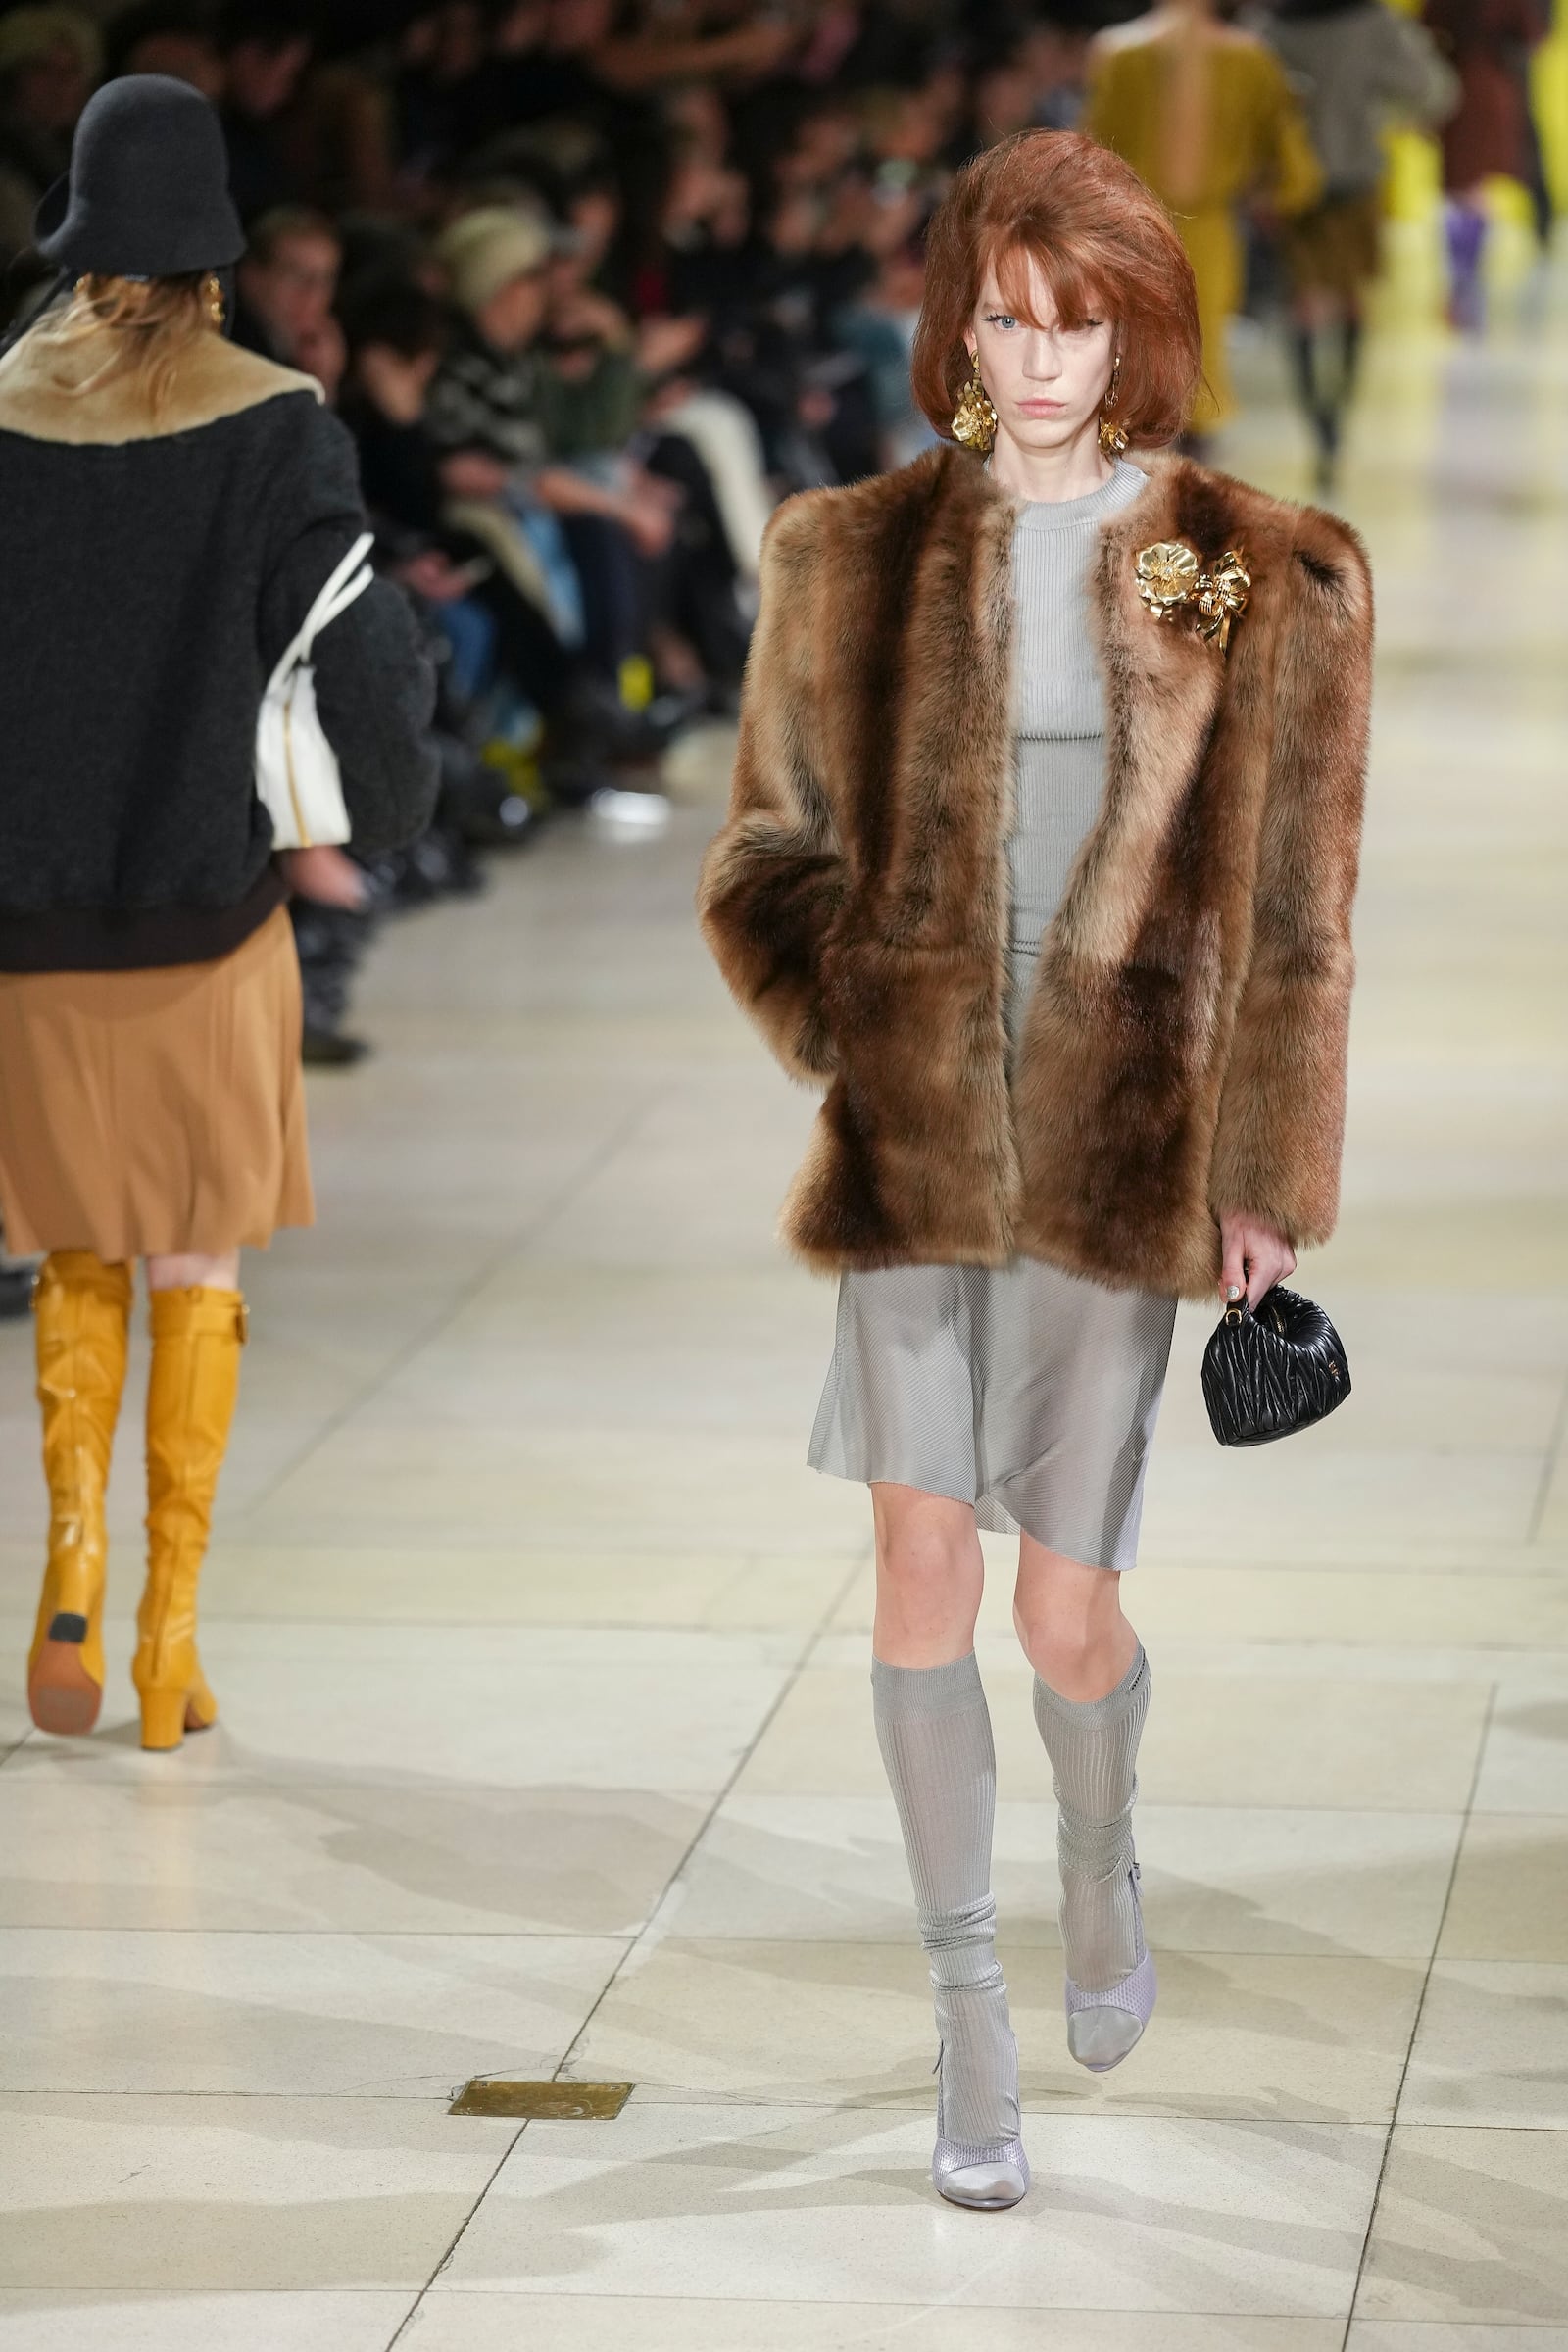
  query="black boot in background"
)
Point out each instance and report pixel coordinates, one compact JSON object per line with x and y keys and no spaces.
{"x":331,"y":942}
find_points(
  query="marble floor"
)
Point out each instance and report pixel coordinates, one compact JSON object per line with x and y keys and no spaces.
{"x":545,"y":1748}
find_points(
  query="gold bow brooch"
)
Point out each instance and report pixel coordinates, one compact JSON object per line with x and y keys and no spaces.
{"x":1171,"y":577}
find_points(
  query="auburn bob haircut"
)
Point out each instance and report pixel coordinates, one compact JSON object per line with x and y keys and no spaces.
{"x":1106,"y":248}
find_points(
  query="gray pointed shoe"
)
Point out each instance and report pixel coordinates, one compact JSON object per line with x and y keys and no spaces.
{"x":1103,"y":2027}
{"x":987,"y":2178}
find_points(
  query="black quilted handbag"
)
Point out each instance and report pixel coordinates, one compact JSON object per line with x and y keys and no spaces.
{"x":1269,"y":1373}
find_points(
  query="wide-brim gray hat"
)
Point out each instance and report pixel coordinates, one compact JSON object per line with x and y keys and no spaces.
{"x":147,"y":193}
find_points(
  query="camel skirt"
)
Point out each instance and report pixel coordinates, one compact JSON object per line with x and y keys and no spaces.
{"x":151,"y":1113}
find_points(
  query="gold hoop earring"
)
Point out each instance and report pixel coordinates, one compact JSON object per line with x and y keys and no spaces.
{"x":212,"y":297}
{"x":974,"y":420}
{"x":1112,"y":439}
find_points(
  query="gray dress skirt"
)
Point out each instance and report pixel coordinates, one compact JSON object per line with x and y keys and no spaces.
{"x":1029,"y":1393}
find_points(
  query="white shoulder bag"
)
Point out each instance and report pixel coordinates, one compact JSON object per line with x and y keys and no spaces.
{"x":296,"y":768}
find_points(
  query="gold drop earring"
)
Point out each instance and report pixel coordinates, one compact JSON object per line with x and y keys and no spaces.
{"x":212,"y":297}
{"x":974,"y":420}
{"x":1112,"y":439}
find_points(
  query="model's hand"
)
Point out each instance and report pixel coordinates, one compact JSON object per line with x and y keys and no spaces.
{"x":473,"y":473}
{"x":1255,"y":1259}
{"x":325,"y":875}
{"x":435,"y":576}
{"x":650,"y":521}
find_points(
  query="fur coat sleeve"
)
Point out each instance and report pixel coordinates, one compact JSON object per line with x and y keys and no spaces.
{"x":1281,"y":1127}
{"x":774,"y":876}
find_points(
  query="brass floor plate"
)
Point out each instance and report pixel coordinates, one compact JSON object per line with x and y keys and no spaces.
{"x":560,"y":2101}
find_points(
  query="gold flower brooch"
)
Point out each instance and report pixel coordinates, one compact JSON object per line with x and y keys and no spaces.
{"x":1172,"y":578}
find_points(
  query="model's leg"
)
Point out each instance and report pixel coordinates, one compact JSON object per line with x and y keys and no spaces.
{"x":198,"y":1327}
{"x":1316,"y":333}
{"x":81,"y":1310}
{"x":1091,"y":1698}
{"x":1465,"y":228}
{"x":934,"y":1730}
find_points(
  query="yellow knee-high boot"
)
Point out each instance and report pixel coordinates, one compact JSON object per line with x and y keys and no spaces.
{"x":81,"y":1311}
{"x":197,"y":1337}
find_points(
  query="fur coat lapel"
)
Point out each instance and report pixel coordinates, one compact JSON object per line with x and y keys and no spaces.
{"x":1162,"y":685}
{"x":1183,"y":1050}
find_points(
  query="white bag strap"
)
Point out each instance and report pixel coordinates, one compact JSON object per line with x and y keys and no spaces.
{"x":349,"y":580}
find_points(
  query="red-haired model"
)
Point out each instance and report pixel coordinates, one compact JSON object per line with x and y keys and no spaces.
{"x":1041,"y":854}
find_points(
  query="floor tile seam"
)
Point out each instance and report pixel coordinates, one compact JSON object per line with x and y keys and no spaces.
{"x":516,"y":1242}
{"x":1555,"y":1447}
{"x":972,"y":2301}
{"x":457,"y":2238}
{"x":787,"y":1686}
{"x":1525,"y":1571}
{"x":828,"y":1630}
{"x":329,"y":1785}
{"x":913,"y":2109}
{"x":771,"y":2103}
{"x":718,"y":1942}
{"x":438,"y":2100}
{"x":367,"y":1934}
{"x":1415,"y":2021}
{"x":491,"y":1621}
{"x":108,"y":1778}
{"x":1152,"y":1565}
{"x":1046,"y":2106}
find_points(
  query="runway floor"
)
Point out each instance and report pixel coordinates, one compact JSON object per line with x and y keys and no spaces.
{"x":546,"y":1746}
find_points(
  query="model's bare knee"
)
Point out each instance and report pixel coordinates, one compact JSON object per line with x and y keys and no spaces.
{"x":1069,"y":1620}
{"x":929,"y":1575}
{"x":193,"y":1272}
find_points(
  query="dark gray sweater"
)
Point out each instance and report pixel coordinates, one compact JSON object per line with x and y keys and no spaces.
{"x":148,"y":585}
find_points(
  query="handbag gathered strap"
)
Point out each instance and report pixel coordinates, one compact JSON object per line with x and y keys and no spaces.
{"x":349,"y":580}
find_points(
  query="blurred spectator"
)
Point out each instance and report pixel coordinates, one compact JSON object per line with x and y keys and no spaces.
{"x":287,"y":285}
{"x":1059,"y":58}
{"x":267,"y":49}
{"x":1485,"y":41}
{"x":1354,"y":66}
{"x":449,"y":531}
{"x":1204,"y":113}
{"x":49,"y":66}
{"x":17,"y":1278}
{"x":588,"y":539}
{"x":330,"y":907}
{"x":879,"y":326}
{"x":166,"y":37}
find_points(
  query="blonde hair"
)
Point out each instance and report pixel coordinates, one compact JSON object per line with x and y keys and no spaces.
{"x":142,"y":326}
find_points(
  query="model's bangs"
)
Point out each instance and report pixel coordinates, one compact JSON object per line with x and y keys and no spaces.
{"x":1074,"y":288}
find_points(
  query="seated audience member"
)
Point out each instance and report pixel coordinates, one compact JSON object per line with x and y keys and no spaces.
{"x":266,"y":51}
{"x":418,"y":494}
{"x":49,"y":61}
{"x":287,"y":284}
{"x":176,"y":37}
{"x":586,"y":539}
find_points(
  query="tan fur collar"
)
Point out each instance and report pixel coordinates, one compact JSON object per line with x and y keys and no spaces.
{"x":215,"y":379}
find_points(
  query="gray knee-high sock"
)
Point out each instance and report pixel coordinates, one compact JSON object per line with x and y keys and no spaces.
{"x":1092,"y":1747}
{"x":934,"y":1730}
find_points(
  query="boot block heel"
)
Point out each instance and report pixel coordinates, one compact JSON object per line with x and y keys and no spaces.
{"x":167,"y":1716}
{"x":162,"y":1719}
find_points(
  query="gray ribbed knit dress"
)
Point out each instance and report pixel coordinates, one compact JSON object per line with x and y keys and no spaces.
{"x":1028,"y":1392}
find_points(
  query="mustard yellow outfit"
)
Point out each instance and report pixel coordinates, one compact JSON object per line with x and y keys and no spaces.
{"x":1256,"y":142}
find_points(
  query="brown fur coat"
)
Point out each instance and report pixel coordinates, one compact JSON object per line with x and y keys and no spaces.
{"x":1183,"y":1054}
